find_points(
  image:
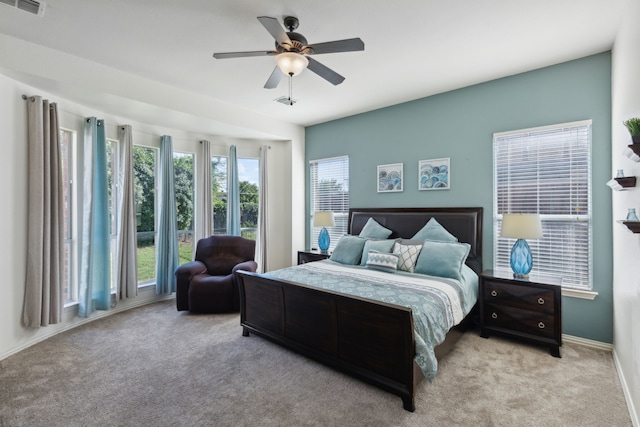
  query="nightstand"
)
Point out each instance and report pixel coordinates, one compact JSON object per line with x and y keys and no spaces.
{"x":525,"y":308}
{"x":311,"y":255}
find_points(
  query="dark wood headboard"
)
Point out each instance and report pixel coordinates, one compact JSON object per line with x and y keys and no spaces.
{"x":464,"y":223}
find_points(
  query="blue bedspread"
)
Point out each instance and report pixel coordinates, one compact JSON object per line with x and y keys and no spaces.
{"x":437,"y":303}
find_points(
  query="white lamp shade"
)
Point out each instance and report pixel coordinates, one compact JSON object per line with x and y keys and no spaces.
{"x":521,"y":226}
{"x":292,"y":63}
{"x":323,"y":219}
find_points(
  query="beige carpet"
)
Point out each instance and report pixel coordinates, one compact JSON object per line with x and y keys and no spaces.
{"x":153,"y":366}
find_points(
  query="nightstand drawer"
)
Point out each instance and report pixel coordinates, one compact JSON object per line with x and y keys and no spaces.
{"x":526,"y":297}
{"x":516,"y":319}
{"x":308,"y":256}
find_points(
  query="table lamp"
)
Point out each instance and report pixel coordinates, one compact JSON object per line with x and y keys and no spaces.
{"x":323,"y":219}
{"x":521,"y":226}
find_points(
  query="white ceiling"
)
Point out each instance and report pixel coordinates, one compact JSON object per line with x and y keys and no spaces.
{"x":413,"y":48}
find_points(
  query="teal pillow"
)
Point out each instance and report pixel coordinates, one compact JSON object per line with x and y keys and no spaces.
{"x":373,"y":230}
{"x":432,"y":230}
{"x":442,"y":259}
{"x":383,"y":246}
{"x":348,"y":250}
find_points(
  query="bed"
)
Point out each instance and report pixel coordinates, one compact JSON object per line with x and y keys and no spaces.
{"x":369,"y":339}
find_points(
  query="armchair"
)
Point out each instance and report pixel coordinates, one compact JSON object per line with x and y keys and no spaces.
{"x":208,"y":284}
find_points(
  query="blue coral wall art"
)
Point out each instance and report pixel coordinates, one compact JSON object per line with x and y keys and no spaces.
{"x":434,"y":174}
{"x":390,"y":178}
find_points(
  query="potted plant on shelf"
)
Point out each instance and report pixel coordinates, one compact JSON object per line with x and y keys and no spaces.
{"x":633,"y":126}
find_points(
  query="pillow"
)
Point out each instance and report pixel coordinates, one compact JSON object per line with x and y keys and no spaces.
{"x":407,"y":256}
{"x":432,"y":230}
{"x":373,"y":230}
{"x":382,"y":261}
{"x":383,"y":246}
{"x":443,"y":259}
{"x":348,"y":250}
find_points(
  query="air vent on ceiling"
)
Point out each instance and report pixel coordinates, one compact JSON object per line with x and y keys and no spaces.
{"x":31,"y":6}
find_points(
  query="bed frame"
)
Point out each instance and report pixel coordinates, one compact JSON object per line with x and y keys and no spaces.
{"x":370,"y":340}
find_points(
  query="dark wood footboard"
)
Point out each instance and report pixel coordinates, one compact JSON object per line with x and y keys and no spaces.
{"x":370,"y":340}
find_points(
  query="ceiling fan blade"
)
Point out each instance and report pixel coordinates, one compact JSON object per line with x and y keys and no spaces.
{"x":347,"y":45}
{"x":226,"y":55}
{"x":275,"y":29}
{"x":274,"y":78}
{"x":325,"y":72}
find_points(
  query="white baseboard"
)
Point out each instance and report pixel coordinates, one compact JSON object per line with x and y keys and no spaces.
{"x":586,"y":342}
{"x":625,"y":390}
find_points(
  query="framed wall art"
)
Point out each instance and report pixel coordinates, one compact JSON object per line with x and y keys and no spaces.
{"x":434,"y":174}
{"x":390,"y":178}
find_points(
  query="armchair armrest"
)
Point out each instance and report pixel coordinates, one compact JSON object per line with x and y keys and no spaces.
{"x":190,"y":269}
{"x":247,"y":266}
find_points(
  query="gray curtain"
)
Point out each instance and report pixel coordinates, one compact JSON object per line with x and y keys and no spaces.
{"x":43,"y":299}
{"x":127,"y":231}
{"x":167,"y":240}
{"x":261,"y":244}
{"x":207,"y":207}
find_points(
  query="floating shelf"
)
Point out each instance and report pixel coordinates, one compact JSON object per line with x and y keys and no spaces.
{"x":620,"y":184}
{"x":632,"y":152}
{"x":634,"y":226}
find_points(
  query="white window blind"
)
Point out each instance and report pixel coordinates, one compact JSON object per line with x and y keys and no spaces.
{"x":329,"y":179}
{"x":547,"y":171}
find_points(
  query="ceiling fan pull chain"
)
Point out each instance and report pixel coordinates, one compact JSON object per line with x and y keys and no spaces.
{"x":290,"y":89}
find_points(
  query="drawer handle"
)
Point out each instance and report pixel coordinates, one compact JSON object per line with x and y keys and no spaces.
{"x":494,"y":316}
{"x":494,"y":293}
{"x":540,"y":301}
{"x":541,"y":325}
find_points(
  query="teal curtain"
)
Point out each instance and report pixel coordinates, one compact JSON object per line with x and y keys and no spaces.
{"x":95,"y":287}
{"x":167,"y":237}
{"x":233,"y":202}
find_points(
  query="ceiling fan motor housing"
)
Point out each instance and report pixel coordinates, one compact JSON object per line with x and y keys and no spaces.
{"x":299,"y":44}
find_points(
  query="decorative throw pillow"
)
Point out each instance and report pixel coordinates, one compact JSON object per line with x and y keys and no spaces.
{"x":407,"y":256}
{"x":373,"y":230}
{"x":348,"y":250}
{"x":432,"y":230}
{"x":382,"y":261}
{"x":383,"y":246}
{"x":442,"y":259}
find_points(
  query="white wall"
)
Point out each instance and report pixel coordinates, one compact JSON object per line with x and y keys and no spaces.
{"x":285,"y":151}
{"x":626,"y":277}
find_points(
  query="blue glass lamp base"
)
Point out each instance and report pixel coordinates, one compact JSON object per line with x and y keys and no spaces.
{"x":323,"y":240}
{"x":521,"y":260}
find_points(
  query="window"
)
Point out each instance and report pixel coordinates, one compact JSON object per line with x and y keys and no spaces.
{"x":248,"y":182}
{"x":68,"y":155}
{"x":144,"y":170}
{"x":219,"y":196}
{"x":184,"y":188}
{"x":329,"y":180}
{"x":547,"y":171}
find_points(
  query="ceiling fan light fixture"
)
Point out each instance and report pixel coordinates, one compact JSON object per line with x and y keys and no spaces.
{"x":291,"y":63}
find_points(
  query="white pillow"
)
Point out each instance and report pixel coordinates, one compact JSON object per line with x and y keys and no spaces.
{"x":407,"y":256}
{"x":382,"y":261}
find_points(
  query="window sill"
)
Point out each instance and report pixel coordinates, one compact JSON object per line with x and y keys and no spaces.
{"x":578,"y":293}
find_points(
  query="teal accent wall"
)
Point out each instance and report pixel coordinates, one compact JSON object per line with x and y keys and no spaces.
{"x":460,"y":125}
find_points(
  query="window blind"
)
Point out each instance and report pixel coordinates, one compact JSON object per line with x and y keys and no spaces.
{"x":329,"y":191}
{"x":547,"y":171}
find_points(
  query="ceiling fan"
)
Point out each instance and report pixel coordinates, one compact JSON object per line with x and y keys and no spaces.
{"x":293,"y":52}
